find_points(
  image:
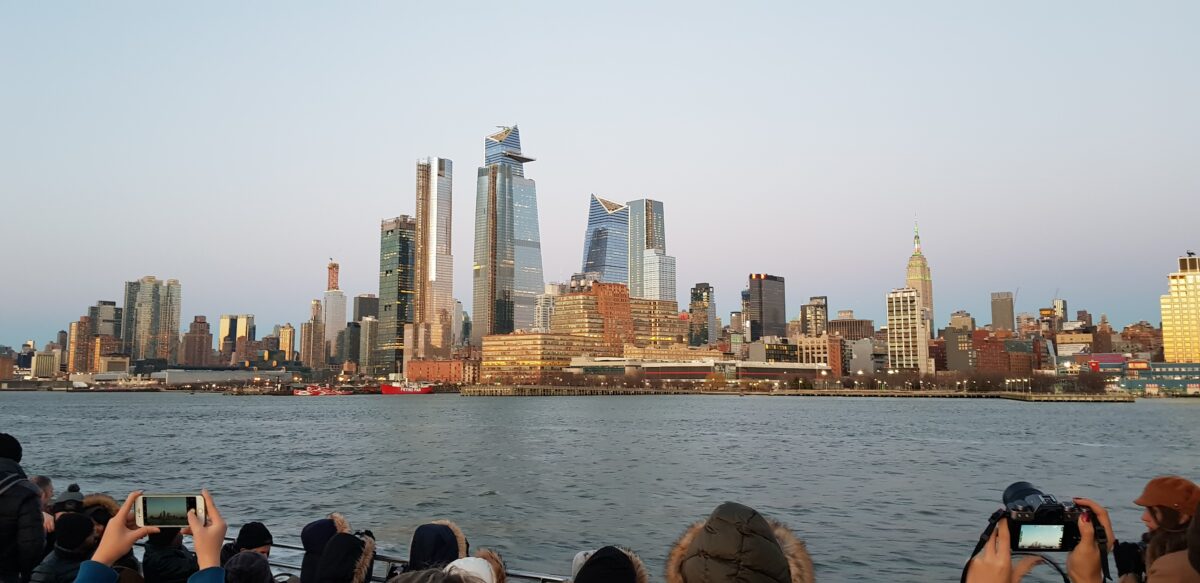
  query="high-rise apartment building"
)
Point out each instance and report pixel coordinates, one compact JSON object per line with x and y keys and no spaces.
{"x":366,"y":305}
{"x":229,"y":328}
{"x":150,"y":319}
{"x":313,"y":347}
{"x":658,"y":271}
{"x":907,"y":332}
{"x":767,"y":307}
{"x":197,"y":343}
{"x":606,"y":241}
{"x":368,"y":342}
{"x":287,"y":341}
{"x":702,"y":316}
{"x":647,"y":232}
{"x":79,"y":359}
{"x":457,"y":329}
{"x":850,"y":328}
{"x":1003,"y":312}
{"x":657,"y":322}
{"x":397,"y":285}
{"x":814,"y":316}
{"x":920,"y":278}
{"x":335,"y":306}
{"x":105,"y":318}
{"x":1181,"y":312}
{"x":430,"y":335}
{"x":507,"y":270}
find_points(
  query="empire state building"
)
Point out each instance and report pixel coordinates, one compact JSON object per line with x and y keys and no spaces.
{"x":920,"y":279}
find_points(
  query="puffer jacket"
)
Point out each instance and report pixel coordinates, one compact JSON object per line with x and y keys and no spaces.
{"x":93,"y":572}
{"x":168,"y":564}
{"x":60,"y":566}
{"x":22,"y":538}
{"x":736,"y":543}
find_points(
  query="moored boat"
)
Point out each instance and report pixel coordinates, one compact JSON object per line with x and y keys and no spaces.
{"x":320,"y":391}
{"x":406,"y":389}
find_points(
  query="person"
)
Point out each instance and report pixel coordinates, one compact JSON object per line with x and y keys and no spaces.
{"x":101,"y":508}
{"x":69,"y":501}
{"x":74,"y":542}
{"x":22,"y":528}
{"x":435,"y":545}
{"x":313,"y":537}
{"x":487,"y":566}
{"x":166,"y":560}
{"x":736,"y":543}
{"x":347,"y":558}
{"x":993,"y":562}
{"x":1169,"y":504}
{"x":121,"y":533}
{"x":433,"y":576}
{"x":47,"y":487}
{"x":253,"y":536}
{"x":611,"y":564}
{"x":248,"y":567}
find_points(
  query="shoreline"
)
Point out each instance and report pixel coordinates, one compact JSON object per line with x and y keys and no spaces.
{"x":551,"y":391}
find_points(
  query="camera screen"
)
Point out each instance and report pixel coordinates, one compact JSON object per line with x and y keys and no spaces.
{"x":167,"y":510}
{"x":1043,"y":537}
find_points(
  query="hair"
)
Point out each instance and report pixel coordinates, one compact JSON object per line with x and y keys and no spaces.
{"x":42,"y":482}
{"x":433,"y":576}
{"x":1169,"y":537}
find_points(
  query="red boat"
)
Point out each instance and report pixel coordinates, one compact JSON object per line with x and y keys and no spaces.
{"x":406,"y":389}
{"x":319,"y":391}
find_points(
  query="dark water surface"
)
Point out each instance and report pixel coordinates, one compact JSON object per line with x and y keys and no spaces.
{"x":882,"y":489}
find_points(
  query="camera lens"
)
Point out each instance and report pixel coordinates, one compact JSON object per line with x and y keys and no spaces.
{"x":1019,"y":491}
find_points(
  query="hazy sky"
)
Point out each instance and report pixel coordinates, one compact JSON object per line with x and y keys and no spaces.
{"x":236,"y":146}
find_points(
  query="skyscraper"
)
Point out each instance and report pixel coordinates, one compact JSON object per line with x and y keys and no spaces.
{"x":647,"y":231}
{"x":543,"y":312}
{"x":606,"y":240}
{"x":312,"y":339}
{"x":287,"y":341}
{"x":658,"y":270}
{"x":229,"y":329}
{"x":920,"y":279}
{"x":105,"y":318}
{"x":150,"y":319}
{"x":702,"y":316}
{"x":508,"y":252}
{"x":814,"y":316}
{"x":397,"y":248}
{"x":368,"y":341}
{"x":907,"y":335}
{"x":79,"y":359}
{"x":1181,"y":312}
{"x":1003,"y":314}
{"x":366,"y":305}
{"x":433,"y":302}
{"x":767,"y":308}
{"x":197,"y":343}
{"x":335,"y":306}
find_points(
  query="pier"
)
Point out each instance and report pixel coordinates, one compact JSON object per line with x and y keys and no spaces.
{"x":554,"y":391}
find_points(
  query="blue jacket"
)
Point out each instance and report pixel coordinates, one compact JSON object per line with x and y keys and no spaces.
{"x":93,"y":572}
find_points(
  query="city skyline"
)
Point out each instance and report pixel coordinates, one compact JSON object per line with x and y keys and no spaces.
{"x":958,"y":137}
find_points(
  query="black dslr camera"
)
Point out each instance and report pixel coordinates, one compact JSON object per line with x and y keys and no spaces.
{"x":1038,"y":522}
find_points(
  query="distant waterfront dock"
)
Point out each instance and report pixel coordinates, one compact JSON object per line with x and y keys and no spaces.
{"x":551,"y":391}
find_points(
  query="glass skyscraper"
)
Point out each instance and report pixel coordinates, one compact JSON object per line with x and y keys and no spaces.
{"x":150,"y":326}
{"x":397,"y":248}
{"x":606,"y":241}
{"x":647,"y":232}
{"x":507,"y":270}
{"x":433,"y":308}
{"x":767,"y":310}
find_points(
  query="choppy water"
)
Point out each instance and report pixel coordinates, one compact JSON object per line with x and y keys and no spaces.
{"x":882,"y":489}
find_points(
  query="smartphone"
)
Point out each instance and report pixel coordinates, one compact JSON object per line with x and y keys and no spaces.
{"x":1041,"y":537}
{"x":168,"y":510}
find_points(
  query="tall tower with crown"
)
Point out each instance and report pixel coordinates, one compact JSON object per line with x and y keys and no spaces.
{"x":919,"y":277}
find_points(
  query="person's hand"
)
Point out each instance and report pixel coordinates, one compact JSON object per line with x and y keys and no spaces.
{"x":1101,"y":515}
{"x":1083,"y":563}
{"x":1129,"y":558}
{"x":47,"y":522}
{"x":993,"y":564}
{"x":1024,"y":566}
{"x":121,"y":533}
{"x":207,"y":536}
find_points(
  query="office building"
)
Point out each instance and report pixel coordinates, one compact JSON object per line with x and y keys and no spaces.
{"x":45,"y":365}
{"x":533,"y":358}
{"x":703,"y":329}
{"x":814,"y":316}
{"x":600,"y":311}
{"x":105,"y":318}
{"x":1181,"y":312}
{"x":197,"y":343}
{"x":606,"y":241}
{"x":79,"y":359}
{"x":457,"y":329}
{"x":507,"y":267}
{"x":368,"y":342}
{"x":229,"y":328}
{"x":103,"y":346}
{"x":907,"y":332}
{"x":543,"y":312}
{"x":658,"y":270}
{"x":287,"y":341}
{"x":1059,"y":306}
{"x":433,"y":300}
{"x":647,"y":232}
{"x":962,"y":320}
{"x":1003,"y":311}
{"x":350,"y":343}
{"x":313,"y":347}
{"x":919,"y":278}
{"x":397,"y":286}
{"x":335,"y":306}
{"x":766,"y":306}
{"x":365,"y":305}
{"x":150,"y":319}
{"x":657,"y":322}
{"x":960,"y":350}
{"x":850,"y":328}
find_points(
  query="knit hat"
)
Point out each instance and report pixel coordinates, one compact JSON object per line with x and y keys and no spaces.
{"x":69,"y":501}
{"x":253,"y":535}
{"x":72,"y":530}
{"x":10,"y":448}
{"x":608,"y":565}
{"x":248,"y":567}
{"x":473,"y":566}
{"x":346,"y":559}
{"x":1173,"y":492}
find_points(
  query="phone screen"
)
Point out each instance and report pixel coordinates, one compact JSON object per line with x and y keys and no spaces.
{"x":1040,"y":537}
{"x":167,"y":510}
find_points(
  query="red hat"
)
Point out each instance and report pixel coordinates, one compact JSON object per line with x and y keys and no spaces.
{"x":1171,"y":492}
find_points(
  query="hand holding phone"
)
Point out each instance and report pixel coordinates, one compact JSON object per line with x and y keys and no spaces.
{"x":119,"y":537}
{"x":169,"y":510}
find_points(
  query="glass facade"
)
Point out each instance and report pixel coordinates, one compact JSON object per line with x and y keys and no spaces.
{"x":397,"y":246}
{"x":647,"y":231}
{"x":767,"y":311}
{"x":150,"y":326}
{"x":659,"y":272}
{"x":702,"y":316}
{"x":434,"y":302}
{"x":606,"y":241}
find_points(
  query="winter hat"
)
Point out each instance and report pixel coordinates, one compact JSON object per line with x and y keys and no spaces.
{"x":248,"y":567}
{"x":346,"y":559}
{"x":436,"y":545}
{"x":10,"y":448}
{"x":473,"y":566}
{"x":69,"y":501}
{"x":314,"y":537}
{"x":72,"y":530}
{"x":253,"y":535}
{"x":610,"y":564}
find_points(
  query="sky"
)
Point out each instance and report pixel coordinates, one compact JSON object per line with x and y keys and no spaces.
{"x":1045,"y":147}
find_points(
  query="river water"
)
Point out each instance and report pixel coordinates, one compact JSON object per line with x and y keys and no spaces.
{"x":881,"y":489}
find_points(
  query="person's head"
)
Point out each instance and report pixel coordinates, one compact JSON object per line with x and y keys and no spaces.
{"x":75,"y":533}
{"x":314,"y":536}
{"x":347,"y":558}
{"x":1168,"y":502}
{"x":69,"y":501}
{"x":736,"y":543}
{"x":486,"y":567}
{"x":100,"y":508}
{"x":254,"y":536}
{"x":433,"y":576}
{"x":613,"y":565}
{"x":436,"y":545}
{"x":10,"y":448}
{"x":248,"y":567}
{"x":166,"y":537}
{"x":46,"y":486}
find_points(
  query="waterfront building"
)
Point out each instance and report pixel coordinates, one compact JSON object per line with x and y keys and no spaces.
{"x":601,"y":311}
{"x":657,"y":322}
{"x":79,"y":359}
{"x":114,"y":363}
{"x":533,"y":358}
{"x":455,"y":371}
{"x":1181,"y":312}
{"x":543,"y":312}
{"x":1142,"y":337}
{"x":960,"y":350}
{"x":1003,"y":314}
{"x":849,"y":327}
{"x":230,"y":328}
{"x":368,"y":342}
{"x":365,"y":305}
{"x":647,"y":232}
{"x":150,"y":319}
{"x":433,"y":300}
{"x":606,"y":240}
{"x":45,"y":365}
{"x":335,"y":306}
{"x":197,"y":343}
{"x":703,"y":329}
{"x":907,"y":332}
{"x":920,"y":278}
{"x":397,"y":237}
{"x":7,"y":364}
{"x":962,"y":320}
{"x":103,"y":346}
{"x":507,"y":267}
{"x":313,"y":347}
{"x":287,"y":341}
{"x":814,"y":316}
{"x":671,"y":353}
{"x":105,"y":318}
{"x":658,"y":270}
{"x":867,"y":356}
{"x":766,"y":307}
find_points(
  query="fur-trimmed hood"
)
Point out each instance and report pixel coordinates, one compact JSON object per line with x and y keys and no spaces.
{"x":314,"y":536}
{"x":99,"y":506}
{"x":347,"y":559}
{"x":612,"y":564}
{"x":736,"y":543}
{"x":435,"y":545}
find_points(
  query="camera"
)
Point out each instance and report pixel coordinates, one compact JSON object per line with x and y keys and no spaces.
{"x":1038,"y":522}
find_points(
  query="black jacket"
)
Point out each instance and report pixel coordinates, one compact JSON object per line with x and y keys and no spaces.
{"x":168,"y":564}
{"x":22,"y":539}
{"x":59,"y":567}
